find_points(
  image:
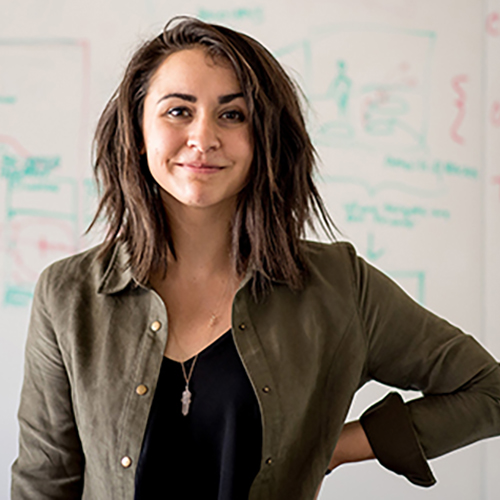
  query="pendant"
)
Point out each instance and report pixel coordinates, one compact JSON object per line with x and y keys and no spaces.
{"x":186,"y":400}
{"x":213,"y":320}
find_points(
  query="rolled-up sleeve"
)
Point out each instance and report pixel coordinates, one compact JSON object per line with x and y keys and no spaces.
{"x":394,"y":442}
{"x":413,"y":349}
{"x":50,"y":462}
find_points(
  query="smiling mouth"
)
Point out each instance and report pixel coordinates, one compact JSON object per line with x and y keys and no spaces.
{"x":201,"y":167}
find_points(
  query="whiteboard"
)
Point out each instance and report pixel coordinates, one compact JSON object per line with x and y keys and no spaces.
{"x":404,"y":109}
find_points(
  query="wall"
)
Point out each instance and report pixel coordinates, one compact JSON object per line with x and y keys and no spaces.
{"x":404,"y":110}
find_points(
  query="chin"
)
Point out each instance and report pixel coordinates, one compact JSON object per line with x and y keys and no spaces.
{"x":197,"y":202}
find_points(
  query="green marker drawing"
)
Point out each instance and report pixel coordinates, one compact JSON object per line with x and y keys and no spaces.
{"x":254,"y":14}
{"x":369,"y":111}
{"x":439,"y":168}
{"x":372,"y":253}
{"x":375,"y":189}
{"x":418,"y":276}
{"x":389,"y":214}
{"x":7,"y":99}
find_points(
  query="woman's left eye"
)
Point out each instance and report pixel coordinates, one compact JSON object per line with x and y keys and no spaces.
{"x":233,"y":116}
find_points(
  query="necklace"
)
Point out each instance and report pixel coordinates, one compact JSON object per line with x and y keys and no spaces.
{"x":187,"y":395}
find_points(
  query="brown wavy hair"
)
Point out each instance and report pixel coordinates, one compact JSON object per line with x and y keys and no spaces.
{"x":277,"y":203}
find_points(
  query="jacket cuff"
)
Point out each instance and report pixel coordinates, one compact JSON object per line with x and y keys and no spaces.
{"x":394,"y":442}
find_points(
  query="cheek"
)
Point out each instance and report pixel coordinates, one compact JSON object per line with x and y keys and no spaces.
{"x":245,"y":147}
{"x":153,"y":157}
{"x":156,"y":159}
{"x":161,"y":147}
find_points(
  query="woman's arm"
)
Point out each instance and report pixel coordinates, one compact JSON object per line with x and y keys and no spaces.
{"x":411,"y":348}
{"x":352,"y":446}
{"x":50,"y":462}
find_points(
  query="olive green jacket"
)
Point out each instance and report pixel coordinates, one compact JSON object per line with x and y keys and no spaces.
{"x":96,"y":338}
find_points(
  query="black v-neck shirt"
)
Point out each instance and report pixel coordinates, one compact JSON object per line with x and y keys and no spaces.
{"x":214,"y":452}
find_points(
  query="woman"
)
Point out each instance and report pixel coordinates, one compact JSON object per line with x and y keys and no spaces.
{"x":205,"y":349}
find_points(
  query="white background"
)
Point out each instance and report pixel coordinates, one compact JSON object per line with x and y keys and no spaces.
{"x":404,"y":109}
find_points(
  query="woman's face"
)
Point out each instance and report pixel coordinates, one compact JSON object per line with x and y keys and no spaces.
{"x":197,"y":135}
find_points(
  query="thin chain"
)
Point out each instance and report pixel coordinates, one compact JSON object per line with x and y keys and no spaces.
{"x":213,"y":317}
{"x":186,"y":395}
{"x":188,"y":378}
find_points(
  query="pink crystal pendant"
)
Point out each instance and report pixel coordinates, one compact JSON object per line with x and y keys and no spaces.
{"x":186,"y":400}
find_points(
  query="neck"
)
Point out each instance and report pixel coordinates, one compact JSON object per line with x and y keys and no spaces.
{"x":201,"y":237}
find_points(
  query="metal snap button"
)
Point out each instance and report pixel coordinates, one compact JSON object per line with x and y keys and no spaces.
{"x":141,"y":389}
{"x":155,"y":326}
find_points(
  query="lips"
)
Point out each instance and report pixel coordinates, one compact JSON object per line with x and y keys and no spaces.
{"x":201,"y":167}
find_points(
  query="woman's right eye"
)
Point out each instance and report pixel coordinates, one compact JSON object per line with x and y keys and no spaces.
{"x":178,"y":112}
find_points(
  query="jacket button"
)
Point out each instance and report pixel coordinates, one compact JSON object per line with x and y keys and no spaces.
{"x":141,"y":389}
{"x":155,"y":326}
{"x":242,"y":326}
{"x":126,"y":462}
{"x":269,"y":461}
{"x":266,"y":389}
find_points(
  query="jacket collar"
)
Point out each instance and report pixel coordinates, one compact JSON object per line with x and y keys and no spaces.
{"x":116,"y":272}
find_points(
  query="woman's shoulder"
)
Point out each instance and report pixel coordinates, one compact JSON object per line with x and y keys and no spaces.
{"x":84,"y":257}
{"x":336,"y":253}
{"x":87,"y":269}
{"x":78,"y":264}
{"x":334,"y":262}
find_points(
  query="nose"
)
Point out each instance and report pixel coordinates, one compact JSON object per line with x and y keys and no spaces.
{"x":203,"y":135}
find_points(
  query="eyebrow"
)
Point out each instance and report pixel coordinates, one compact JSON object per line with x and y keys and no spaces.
{"x":224,"y":99}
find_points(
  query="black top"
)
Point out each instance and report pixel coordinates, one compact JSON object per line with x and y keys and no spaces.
{"x":212,"y":453}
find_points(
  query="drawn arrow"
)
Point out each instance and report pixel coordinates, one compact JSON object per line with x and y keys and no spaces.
{"x":371,"y":253}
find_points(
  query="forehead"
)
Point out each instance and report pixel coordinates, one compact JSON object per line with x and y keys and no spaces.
{"x":191,"y":68}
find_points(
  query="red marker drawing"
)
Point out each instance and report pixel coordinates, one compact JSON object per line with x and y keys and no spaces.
{"x":495,"y":114}
{"x":496,"y":180}
{"x":457,"y":83}
{"x":493,"y":24}
{"x":15,"y":145}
